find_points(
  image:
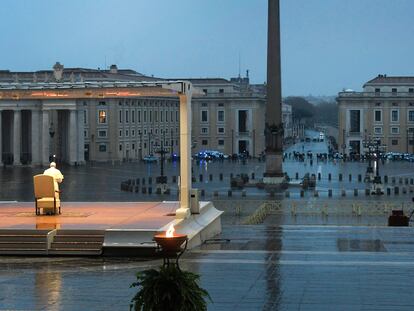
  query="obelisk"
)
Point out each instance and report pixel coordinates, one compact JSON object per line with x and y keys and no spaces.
{"x":273,"y":129}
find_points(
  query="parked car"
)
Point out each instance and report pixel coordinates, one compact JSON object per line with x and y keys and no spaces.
{"x":150,"y":158}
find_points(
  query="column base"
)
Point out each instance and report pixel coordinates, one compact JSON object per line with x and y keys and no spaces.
{"x":182,"y":213}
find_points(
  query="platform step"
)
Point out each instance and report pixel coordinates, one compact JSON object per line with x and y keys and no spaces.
{"x":23,"y":245}
{"x":88,"y":232}
{"x":29,"y":232}
{"x":20,"y":251}
{"x":75,"y":252}
{"x":22,"y":238}
{"x":80,"y":238}
{"x":76,"y":245}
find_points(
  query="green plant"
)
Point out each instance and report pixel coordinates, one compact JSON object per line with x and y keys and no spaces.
{"x":168,"y":288}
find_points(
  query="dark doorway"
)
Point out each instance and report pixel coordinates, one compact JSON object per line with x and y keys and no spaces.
{"x":242,"y":121}
{"x":86,"y":152}
{"x":26,"y":132}
{"x":242,"y":146}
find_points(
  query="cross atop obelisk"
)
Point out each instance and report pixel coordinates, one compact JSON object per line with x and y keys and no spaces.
{"x":274,"y":128}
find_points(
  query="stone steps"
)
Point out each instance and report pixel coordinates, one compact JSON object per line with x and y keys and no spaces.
{"x":77,"y":242}
{"x":23,"y":242}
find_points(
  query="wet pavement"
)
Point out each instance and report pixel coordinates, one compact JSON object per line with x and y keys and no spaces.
{"x":260,"y":267}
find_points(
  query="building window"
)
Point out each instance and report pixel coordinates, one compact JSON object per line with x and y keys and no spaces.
{"x":204,"y":142}
{"x":133,"y":146}
{"x":150,"y":115}
{"x":221,"y":105}
{"x":204,"y":130}
{"x":378,"y":130}
{"x":145,"y":116}
{"x":394,"y":116}
{"x":126,"y":116}
{"x":166,"y":116}
{"x":203,"y":104}
{"x":395,"y":130}
{"x":133,"y":133}
{"x":394,"y":142}
{"x":221,"y":91}
{"x":220,"y":130}
{"x":377,"y":90}
{"x":172,"y":116}
{"x":377,"y":104}
{"x":410,"y":115}
{"x":102,"y":133}
{"x":355,"y":125}
{"x":205,"y":91}
{"x":204,"y":116}
{"x":85,"y":117}
{"x":220,"y":116}
{"x":120,"y":133}
{"x":156,"y":115}
{"x":411,"y":90}
{"x":394,"y":90}
{"x":102,"y":148}
{"x":85,"y":134}
{"x":411,"y":142}
{"x":101,"y":116}
{"x":133,"y":116}
{"x":411,"y":130}
{"x":120,"y":116}
{"x":126,"y":133}
{"x":139,"y":116}
{"x":176,"y":116}
{"x":221,"y":142}
{"x":378,"y":116}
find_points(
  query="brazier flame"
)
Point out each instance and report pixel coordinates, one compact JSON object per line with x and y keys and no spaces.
{"x":170,"y":231}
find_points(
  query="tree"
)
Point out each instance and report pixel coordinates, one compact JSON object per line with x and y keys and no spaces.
{"x":301,"y":108}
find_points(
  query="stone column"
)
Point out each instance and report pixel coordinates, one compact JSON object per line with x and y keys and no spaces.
{"x":17,"y":136}
{"x":1,"y":140}
{"x":273,"y":128}
{"x":45,"y":138}
{"x":73,"y":135}
{"x":81,"y":137}
{"x":185,"y":154}
{"x":36,"y":143}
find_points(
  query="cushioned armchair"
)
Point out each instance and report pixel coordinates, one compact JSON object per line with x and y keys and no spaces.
{"x":46,"y":197}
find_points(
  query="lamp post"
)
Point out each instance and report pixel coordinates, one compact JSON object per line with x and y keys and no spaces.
{"x":52,"y":134}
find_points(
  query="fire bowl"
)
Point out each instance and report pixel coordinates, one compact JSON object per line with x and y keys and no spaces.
{"x":170,"y":244}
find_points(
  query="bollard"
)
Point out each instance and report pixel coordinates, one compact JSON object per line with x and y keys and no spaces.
{"x":215,"y":193}
{"x":297,"y":176}
{"x":201,"y":178}
{"x":253,"y":176}
{"x":316,"y":193}
{"x":149,"y":190}
{"x":144,"y":190}
{"x":203,"y":192}
{"x":355,"y":192}
{"x":359,"y":177}
{"x":388,"y":191}
{"x":343,"y":192}
{"x":385,"y":179}
{"x":319,"y":176}
{"x":329,"y":177}
{"x":340,"y":177}
{"x":229,"y":193}
{"x":210,"y":177}
{"x":396,"y":190}
{"x":243,"y":193}
{"x":302,"y":193}
{"x":330,"y":193}
{"x":287,"y":194}
{"x":350,"y":177}
{"x":221,"y":176}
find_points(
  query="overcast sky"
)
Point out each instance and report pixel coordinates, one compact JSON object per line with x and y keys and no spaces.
{"x":327,"y":45}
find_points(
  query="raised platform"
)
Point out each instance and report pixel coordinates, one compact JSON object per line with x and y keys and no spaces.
{"x":99,"y":228}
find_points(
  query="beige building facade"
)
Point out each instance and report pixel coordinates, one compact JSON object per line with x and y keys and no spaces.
{"x":383,"y":111}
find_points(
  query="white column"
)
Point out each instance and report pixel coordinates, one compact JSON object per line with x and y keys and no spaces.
{"x":17,"y":130}
{"x":185,"y":155}
{"x":45,"y":138}
{"x":36,"y":158}
{"x":1,"y":144}
{"x":81,"y":137}
{"x":72,"y":137}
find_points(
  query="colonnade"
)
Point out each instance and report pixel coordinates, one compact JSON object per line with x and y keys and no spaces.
{"x":26,"y":137}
